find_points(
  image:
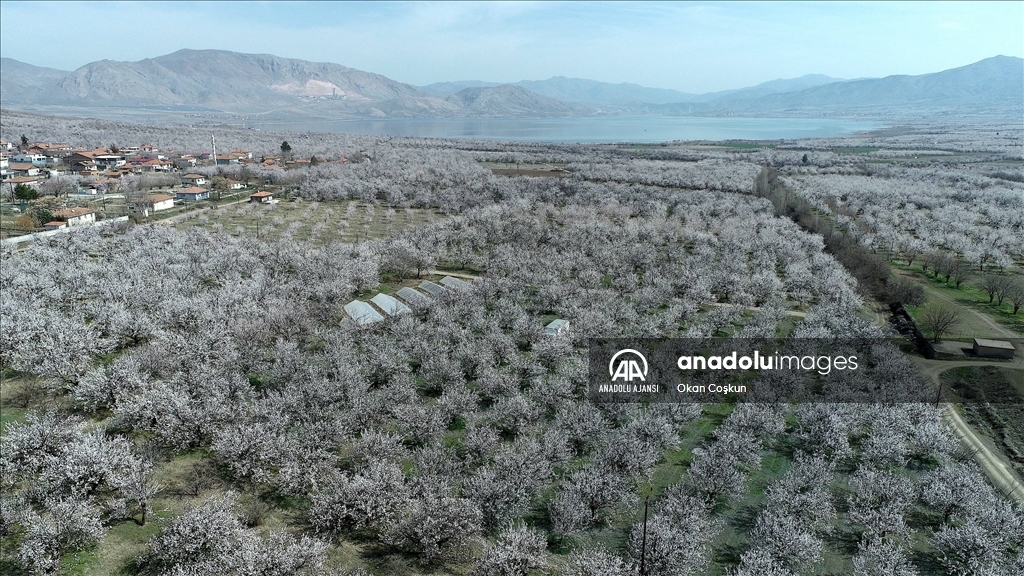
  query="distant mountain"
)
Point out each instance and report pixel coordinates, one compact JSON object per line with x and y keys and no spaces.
{"x":781,"y":86}
{"x":509,"y":100}
{"x":245,"y":84}
{"x":575,"y":90}
{"x":218,"y":82}
{"x":222,"y":80}
{"x":630,"y":96}
{"x":446,"y":89}
{"x":597,"y":93}
{"x":996,"y":81}
{"x":21,"y":81}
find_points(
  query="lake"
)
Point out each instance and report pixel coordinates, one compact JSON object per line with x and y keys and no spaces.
{"x":604,"y":129}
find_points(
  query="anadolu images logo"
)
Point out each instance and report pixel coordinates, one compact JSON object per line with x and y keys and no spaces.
{"x":629,"y":367}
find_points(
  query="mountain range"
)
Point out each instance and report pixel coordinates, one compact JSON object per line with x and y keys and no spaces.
{"x":271,"y":87}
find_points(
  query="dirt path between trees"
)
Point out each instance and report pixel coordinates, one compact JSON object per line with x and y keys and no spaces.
{"x":991,"y":460}
{"x":998,"y":330}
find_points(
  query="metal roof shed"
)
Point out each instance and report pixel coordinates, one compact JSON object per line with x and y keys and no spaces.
{"x":556,"y":327}
{"x":433,"y":289}
{"x":993,"y":348}
{"x":455,"y":283}
{"x":413,"y":296}
{"x":390,"y":305}
{"x":362,"y":313}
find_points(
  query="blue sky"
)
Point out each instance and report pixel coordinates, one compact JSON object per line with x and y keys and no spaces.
{"x":693,"y":47}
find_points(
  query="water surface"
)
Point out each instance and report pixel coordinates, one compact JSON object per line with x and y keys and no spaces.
{"x":604,"y":129}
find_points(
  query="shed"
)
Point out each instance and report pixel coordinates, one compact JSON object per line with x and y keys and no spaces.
{"x":390,"y":305}
{"x":362,"y":313}
{"x":261,"y":197}
{"x":413,"y":296}
{"x":985,"y":348}
{"x":455,"y":283}
{"x":432,"y":288}
{"x":193,"y":193}
{"x":557,"y":327}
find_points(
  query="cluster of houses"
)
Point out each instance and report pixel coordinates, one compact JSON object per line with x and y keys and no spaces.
{"x":35,"y":163}
{"x":57,"y":159}
{"x":101,"y":167}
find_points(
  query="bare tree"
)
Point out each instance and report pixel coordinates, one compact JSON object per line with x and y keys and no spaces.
{"x":1016,"y":295}
{"x":940,"y":319}
{"x":995,"y":286}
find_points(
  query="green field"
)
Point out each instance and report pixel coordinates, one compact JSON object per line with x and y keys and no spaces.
{"x":998,"y":409}
{"x":979,"y":313}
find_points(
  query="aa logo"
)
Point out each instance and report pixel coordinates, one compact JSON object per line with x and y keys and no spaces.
{"x":628,"y":365}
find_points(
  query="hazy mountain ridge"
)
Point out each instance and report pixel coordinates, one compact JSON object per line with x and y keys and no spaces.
{"x":993,"y":81}
{"x":21,"y":81}
{"x":219,"y":79}
{"x":263,"y":84}
{"x":509,"y":100}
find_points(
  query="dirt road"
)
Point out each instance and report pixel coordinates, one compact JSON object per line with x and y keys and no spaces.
{"x":996,"y":329}
{"x":991,"y":460}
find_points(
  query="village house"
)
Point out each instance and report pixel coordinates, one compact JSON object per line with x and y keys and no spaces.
{"x":55,"y":225}
{"x":32,"y":181}
{"x":76,"y":216}
{"x":22,"y":169}
{"x":193,"y":180}
{"x":152,"y":203}
{"x":6,"y":146}
{"x":79,"y":156}
{"x":186,"y":162}
{"x":56,"y":151}
{"x":261,"y":197}
{"x":154,"y":154}
{"x":29,"y":158}
{"x":193,"y":194}
{"x":150,"y":165}
{"x":109,"y":160}
{"x":85,"y":168}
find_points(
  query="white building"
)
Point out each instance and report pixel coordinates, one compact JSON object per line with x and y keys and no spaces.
{"x":76,"y":216}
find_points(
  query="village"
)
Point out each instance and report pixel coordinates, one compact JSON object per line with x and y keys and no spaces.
{"x":49,"y":187}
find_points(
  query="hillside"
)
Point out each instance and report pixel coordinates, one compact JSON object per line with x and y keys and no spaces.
{"x":996,"y":81}
{"x":222,"y":80}
{"x":22,"y":82}
{"x":508,"y":100}
{"x":219,"y":82}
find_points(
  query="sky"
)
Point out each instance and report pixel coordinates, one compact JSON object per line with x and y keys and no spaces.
{"x":688,"y":46}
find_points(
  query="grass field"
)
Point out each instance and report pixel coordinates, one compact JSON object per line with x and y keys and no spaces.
{"x":973,"y":299}
{"x":315,"y":222}
{"x":1001,"y":415}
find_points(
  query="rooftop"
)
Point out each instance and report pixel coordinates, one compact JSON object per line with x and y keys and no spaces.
{"x":1001,"y":344}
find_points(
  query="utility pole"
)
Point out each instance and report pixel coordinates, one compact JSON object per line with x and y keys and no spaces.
{"x":643,"y":540}
{"x":213,"y":140}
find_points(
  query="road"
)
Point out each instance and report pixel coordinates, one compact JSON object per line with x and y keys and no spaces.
{"x":992,"y":461}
